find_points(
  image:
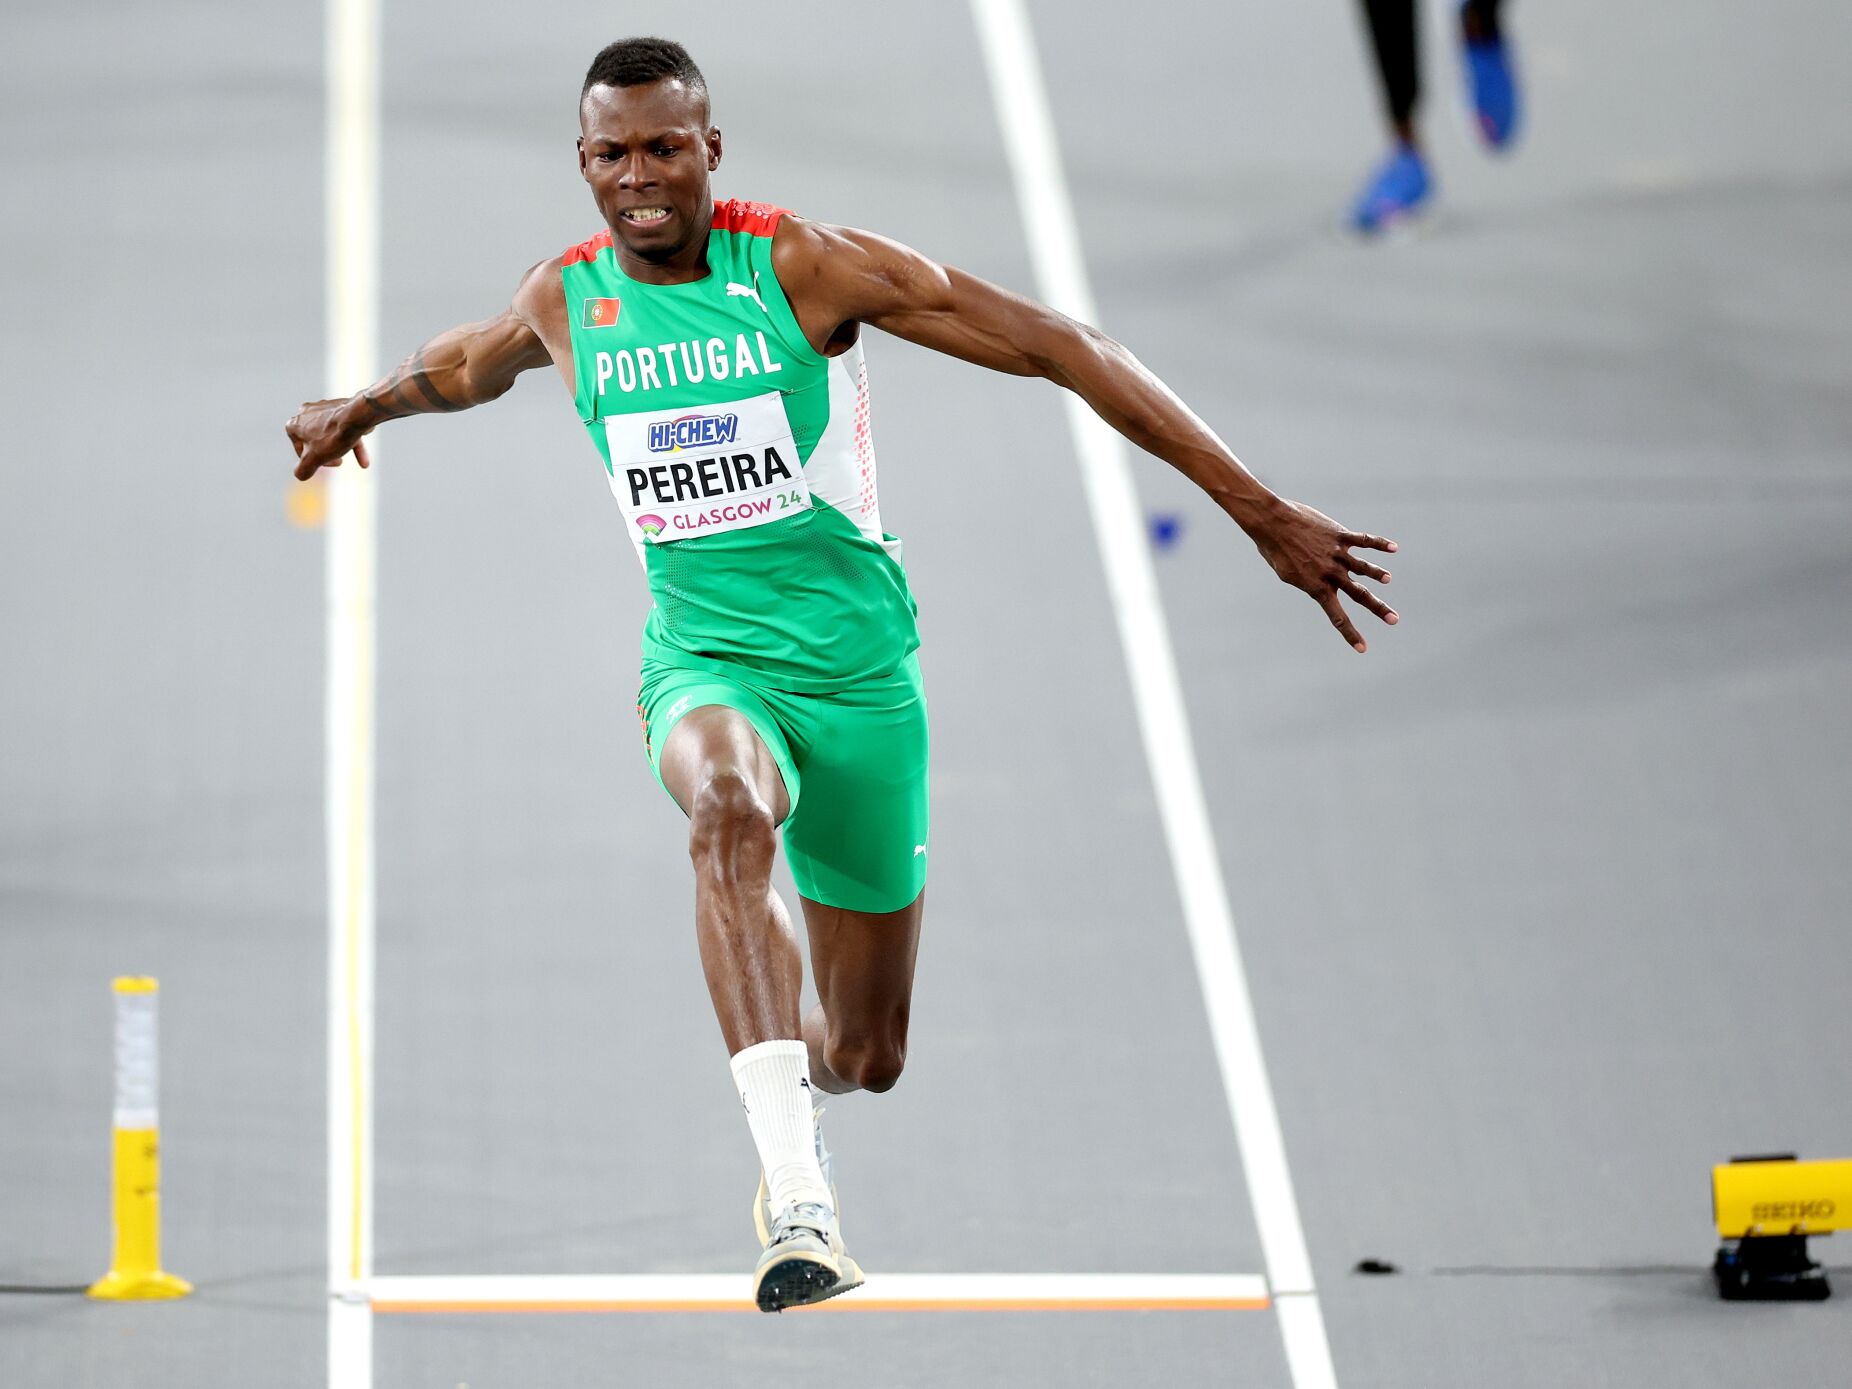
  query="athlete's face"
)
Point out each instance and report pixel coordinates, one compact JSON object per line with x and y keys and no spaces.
{"x":647,"y":152}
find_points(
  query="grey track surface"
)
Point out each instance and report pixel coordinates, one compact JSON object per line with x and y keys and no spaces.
{"x":1542,"y":900}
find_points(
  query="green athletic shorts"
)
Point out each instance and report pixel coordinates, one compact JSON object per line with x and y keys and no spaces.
{"x":854,"y":764}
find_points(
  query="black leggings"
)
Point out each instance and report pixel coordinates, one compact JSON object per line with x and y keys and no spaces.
{"x":1392,"y":33}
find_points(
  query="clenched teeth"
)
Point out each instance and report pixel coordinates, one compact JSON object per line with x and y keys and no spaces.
{"x":644,"y":214}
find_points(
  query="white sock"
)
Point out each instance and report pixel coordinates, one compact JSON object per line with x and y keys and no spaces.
{"x":774,"y":1086}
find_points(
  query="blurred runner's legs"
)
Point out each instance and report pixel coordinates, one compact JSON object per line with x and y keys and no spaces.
{"x":1401,"y":184}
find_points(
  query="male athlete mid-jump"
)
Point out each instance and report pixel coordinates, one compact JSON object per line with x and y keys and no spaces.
{"x":714,"y":351}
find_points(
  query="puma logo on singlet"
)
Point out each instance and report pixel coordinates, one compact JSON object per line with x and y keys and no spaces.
{"x":738,"y":291}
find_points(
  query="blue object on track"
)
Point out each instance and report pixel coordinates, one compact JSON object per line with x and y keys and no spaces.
{"x":1398,"y":188}
{"x":1166,"y":529}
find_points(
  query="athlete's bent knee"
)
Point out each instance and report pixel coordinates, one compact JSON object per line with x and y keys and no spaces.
{"x":731,"y":830}
{"x":867,"y":1064}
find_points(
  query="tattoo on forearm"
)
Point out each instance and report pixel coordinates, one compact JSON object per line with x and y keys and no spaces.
{"x":410,"y":391}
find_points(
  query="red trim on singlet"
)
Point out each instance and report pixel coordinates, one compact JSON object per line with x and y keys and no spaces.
{"x":755,"y":219}
{"x":588,"y":250}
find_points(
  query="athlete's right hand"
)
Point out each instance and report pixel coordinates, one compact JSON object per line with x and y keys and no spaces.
{"x":322,"y":433}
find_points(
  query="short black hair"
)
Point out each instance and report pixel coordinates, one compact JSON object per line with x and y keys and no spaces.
{"x":638,"y":62}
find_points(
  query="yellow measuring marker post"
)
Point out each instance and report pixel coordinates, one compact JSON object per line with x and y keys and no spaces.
{"x":1769,"y":1206}
{"x":135,"y":1273}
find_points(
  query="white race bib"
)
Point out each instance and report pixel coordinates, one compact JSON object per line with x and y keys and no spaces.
{"x":682,"y":473}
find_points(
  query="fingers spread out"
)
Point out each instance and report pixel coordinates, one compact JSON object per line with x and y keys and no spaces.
{"x":1363,"y":567}
{"x":1369,"y":542}
{"x":1368,"y":599}
{"x":1341,"y":619}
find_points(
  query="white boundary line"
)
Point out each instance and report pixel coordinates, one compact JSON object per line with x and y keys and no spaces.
{"x":352,"y":235}
{"x":884,"y":1292}
{"x":1054,"y":247}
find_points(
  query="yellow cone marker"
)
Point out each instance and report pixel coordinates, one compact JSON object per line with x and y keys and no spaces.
{"x":135,"y":1273}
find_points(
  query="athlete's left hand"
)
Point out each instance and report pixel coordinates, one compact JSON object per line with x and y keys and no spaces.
{"x":1310,"y":551}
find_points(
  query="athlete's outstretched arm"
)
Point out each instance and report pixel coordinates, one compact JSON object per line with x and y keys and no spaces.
{"x":836,"y":276}
{"x":468,"y":365}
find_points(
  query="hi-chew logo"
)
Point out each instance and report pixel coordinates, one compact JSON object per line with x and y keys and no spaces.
{"x":600,"y":313}
{"x":652,"y":525}
{"x":692,"y":432}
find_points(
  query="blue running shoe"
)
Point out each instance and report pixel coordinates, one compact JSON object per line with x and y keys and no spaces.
{"x":1491,"y":79}
{"x":1398,"y":189}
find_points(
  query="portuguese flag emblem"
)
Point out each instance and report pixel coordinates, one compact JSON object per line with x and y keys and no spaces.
{"x":600,"y":313}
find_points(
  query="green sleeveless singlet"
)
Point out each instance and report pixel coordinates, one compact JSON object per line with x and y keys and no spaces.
{"x":743,"y":463}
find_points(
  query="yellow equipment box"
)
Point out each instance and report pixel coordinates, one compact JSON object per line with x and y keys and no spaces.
{"x":1763,"y":1196}
{"x":1765,"y":1209}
